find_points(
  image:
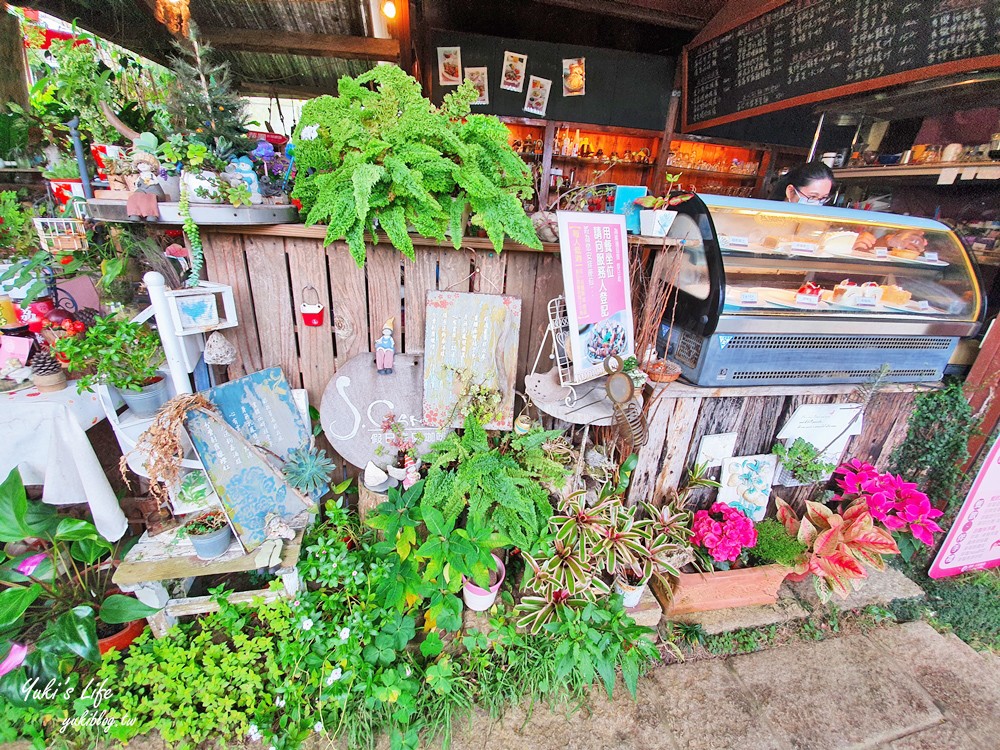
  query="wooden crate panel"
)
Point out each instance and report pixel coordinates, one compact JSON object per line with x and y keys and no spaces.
{"x":307,"y":266}
{"x":277,"y":318}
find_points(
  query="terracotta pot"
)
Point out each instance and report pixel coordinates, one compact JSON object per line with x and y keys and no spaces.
{"x":701,"y":592}
{"x":122,"y":639}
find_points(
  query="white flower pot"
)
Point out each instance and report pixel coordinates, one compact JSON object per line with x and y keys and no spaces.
{"x":171,"y":185}
{"x":655,"y":222}
{"x":478,"y":599}
{"x":204,"y":181}
{"x":631,"y":595}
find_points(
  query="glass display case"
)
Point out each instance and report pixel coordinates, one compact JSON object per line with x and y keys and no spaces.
{"x":773,"y":292}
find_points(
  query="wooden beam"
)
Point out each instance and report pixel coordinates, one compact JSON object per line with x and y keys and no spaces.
{"x":258,"y":88}
{"x":669,"y":13}
{"x":277,"y":42}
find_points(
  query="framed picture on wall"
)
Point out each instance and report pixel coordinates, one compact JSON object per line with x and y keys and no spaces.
{"x":480,"y":79}
{"x":449,"y":66}
{"x":512,"y":76}
{"x":536,"y":101}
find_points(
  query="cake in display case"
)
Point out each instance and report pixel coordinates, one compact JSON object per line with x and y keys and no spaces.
{"x":772,"y":293}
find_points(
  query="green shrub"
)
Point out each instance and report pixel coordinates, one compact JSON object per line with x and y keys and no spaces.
{"x":776,"y":545}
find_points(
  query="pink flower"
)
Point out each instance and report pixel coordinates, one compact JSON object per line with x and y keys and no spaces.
{"x":855,"y":473}
{"x":14,"y":658}
{"x":28,"y":565}
{"x":723,"y":531}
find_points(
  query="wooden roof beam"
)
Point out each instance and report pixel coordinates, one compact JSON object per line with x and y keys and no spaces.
{"x":304,"y":44}
{"x":669,"y":13}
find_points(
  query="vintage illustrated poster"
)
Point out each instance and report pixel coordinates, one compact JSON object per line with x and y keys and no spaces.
{"x":512,"y":77}
{"x":248,"y":484}
{"x":470,"y":351}
{"x":594,"y":253}
{"x":746,"y":483}
{"x":536,"y":101}
{"x":973,"y":543}
{"x":480,"y":79}
{"x":574,"y":76}
{"x":449,"y":66}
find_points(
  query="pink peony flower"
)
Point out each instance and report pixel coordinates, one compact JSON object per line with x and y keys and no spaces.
{"x":28,"y":565}
{"x":14,"y":658}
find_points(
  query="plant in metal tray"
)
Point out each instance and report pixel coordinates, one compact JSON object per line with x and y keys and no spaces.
{"x":123,"y":354}
{"x":206,"y":523}
{"x":54,"y":596}
{"x":382,"y":152}
{"x":839,"y":546}
{"x":804,"y":460}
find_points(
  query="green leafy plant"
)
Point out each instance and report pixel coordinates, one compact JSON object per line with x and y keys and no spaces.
{"x":936,"y":445}
{"x":500,"y":480}
{"x":123,"y":354}
{"x":804,"y":460}
{"x":17,"y":234}
{"x":776,"y":545}
{"x":54,"y":593}
{"x":62,"y":169}
{"x":383,"y":153}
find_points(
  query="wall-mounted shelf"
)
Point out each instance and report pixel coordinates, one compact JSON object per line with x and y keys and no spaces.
{"x":713,"y":173}
{"x":600,"y":162}
{"x":905,"y":171}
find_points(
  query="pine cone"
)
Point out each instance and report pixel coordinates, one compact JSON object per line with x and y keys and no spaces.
{"x":44,"y":363}
{"x":87,"y":316}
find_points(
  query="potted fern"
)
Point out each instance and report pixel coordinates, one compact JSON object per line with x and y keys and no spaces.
{"x":380,"y":152}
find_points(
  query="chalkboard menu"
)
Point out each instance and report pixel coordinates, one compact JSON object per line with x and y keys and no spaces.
{"x":810,"y":50}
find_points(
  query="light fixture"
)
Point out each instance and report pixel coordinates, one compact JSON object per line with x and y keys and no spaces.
{"x":389,"y":9}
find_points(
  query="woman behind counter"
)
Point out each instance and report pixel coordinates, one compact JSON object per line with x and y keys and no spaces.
{"x":809,"y":183}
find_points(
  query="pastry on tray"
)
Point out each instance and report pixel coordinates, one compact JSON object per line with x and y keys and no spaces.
{"x":839,"y":242}
{"x":895,"y":295}
{"x":865,"y":243}
{"x":905,"y":253}
{"x":809,"y":294}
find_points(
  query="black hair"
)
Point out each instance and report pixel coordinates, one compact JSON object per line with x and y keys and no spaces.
{"x":800,"y":177}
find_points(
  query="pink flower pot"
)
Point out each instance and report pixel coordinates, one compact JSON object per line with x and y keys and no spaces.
{"x":478,"y":599}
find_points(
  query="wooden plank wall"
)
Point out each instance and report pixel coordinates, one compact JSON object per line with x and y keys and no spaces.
{"x":677,"y":425}
{"x":269,"y":273}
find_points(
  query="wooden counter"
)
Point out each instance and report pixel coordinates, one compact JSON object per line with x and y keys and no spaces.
{"x":268,"y":268}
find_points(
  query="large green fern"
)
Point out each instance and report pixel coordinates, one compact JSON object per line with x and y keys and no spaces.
{"x":500,"y":481}
{"x":381,"y":151}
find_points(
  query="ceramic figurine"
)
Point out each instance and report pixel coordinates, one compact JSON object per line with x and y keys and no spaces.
{"x":244,"y":168}
{"x":142,"y":203}
{"x":385,"y":349}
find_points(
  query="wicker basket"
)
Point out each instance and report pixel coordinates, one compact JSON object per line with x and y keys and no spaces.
{"x":662,"y":371}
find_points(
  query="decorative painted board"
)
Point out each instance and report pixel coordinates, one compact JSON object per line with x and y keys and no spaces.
{"x":470,"y":342}
{"x":261,"y":407}
{"x":746,"y":483}
{"x":247,"y":483}
{"x":594,"y":252}
{"x":357,"y":401}
{"x":973,"y":543}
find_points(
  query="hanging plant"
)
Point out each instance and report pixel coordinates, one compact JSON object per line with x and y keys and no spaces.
{"x":381,"y":152}
{"x":193,"y":235}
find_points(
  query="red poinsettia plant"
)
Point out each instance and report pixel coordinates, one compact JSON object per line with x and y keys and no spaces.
{"x":897,"y":504}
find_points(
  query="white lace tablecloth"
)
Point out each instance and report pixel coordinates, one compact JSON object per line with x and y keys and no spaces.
{"x":44,"y":436}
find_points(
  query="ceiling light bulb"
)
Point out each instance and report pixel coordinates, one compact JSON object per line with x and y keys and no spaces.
{"x":389,"y":9}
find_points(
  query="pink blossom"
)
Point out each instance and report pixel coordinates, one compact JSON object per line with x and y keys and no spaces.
{"x":14,"y":658}
{"x":28,"y":565}
{"x":723,"y":531}
{"x":855,"y":474}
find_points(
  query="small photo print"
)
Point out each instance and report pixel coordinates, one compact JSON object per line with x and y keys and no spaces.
{"x":480,"y":79}
{"x":536,"y":101}
{"x":574,"y":76}
{"x":514,"y":65}
{"x":450,"y":65}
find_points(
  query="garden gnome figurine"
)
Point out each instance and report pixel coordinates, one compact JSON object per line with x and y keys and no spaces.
{"x":385,"y":349}
{"x":142,"y":203}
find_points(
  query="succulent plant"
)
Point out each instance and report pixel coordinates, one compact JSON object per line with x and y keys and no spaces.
{"x":308,"y":470}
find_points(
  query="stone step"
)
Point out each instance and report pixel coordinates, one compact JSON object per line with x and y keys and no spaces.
{"x":880,"y":588}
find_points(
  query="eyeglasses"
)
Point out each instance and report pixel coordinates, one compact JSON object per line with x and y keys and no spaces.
{"x":811,"y":200}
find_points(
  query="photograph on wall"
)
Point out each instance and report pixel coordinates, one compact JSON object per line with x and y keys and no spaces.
{"x":449,"y":66}
{"x":594,"y":253}
{"x":480,"y":79}
{"x":536,"y":101}
{"x":746,"y":483}
{"x":514,"y":65}
{"x":470,"y":358}
{"x":574,"y":76}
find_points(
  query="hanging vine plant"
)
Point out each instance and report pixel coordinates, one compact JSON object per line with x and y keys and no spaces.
{"x":193,"y":235}
{"x":382,"y":153}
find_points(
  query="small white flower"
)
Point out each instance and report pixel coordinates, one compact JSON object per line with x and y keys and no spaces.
{"x":334,"y":676}
{"x":295,"y":603}
{"x":306,"y":624}
{"x":318,"y":726}
{"x":309,"y":133}
{"x":279,"y":702}
{"x":345,"y":633}
{"x":407,"y":671}
{"x":272,"y":748}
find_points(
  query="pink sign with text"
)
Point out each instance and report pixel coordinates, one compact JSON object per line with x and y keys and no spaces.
{"x":973,"y":542}
{"x":594,"y":252}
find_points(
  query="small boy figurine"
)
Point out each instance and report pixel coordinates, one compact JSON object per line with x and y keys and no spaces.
{"x":385,"y":349}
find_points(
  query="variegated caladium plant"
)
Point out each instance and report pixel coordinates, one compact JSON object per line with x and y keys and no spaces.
{"x":839,"y":546}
